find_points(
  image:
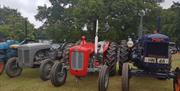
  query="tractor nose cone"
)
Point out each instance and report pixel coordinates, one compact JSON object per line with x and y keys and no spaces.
{"x":83,"y":40}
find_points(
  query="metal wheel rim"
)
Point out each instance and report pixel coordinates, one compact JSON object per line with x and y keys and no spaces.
{"x":61,"y":75}
{"x":106,"y":80}
{"x":47,"y":70}
{"x":14,"y":67}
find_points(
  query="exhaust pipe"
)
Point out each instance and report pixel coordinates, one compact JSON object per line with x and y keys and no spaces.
{"x":96,"y":37}
{"x":158,"y":24}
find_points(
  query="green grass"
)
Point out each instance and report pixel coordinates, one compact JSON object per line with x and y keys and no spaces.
{"x":30,"y":81}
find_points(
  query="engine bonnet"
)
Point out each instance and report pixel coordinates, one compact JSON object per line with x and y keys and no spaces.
{"x":162,"y":37}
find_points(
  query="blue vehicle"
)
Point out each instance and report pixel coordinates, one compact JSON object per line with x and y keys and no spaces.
{"x":150,"y":56}
{"x":6,"y":52}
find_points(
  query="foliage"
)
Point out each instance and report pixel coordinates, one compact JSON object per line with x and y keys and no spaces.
{"x":171,"y":23}
{"x":12,"y":24}
{"x":67,"y":17}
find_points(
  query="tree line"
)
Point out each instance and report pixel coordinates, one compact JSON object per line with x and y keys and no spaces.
{"x":65,"y":19}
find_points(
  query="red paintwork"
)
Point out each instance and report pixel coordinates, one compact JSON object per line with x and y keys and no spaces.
{"x":156,"y":40}
{"x":1,"y":67}
{"x":88,"y":50}
{"x":105,"y":47}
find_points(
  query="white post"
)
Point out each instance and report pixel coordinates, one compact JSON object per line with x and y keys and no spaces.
{"x":96,"y":37}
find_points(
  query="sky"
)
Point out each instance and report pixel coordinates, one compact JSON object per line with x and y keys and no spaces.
{"x":28,"y":8}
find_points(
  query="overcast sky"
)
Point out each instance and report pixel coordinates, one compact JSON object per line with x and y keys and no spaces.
{"x":28,"y":8}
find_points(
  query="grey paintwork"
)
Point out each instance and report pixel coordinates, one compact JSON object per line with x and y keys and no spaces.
{"x":27,"y":52}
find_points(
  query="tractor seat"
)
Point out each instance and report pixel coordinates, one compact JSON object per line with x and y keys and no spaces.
{"x":100,"y":47}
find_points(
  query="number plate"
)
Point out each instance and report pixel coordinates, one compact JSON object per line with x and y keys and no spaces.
{"x":163,"y":61}
{"x":150,"y":60}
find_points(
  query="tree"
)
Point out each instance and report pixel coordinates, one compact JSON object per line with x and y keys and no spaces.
{"x":12,"y":24}
{"x":170,"y":22}
{"x":69,"y":16}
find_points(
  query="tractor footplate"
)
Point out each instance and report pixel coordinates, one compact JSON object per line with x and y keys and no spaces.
{"x":151,"y":74}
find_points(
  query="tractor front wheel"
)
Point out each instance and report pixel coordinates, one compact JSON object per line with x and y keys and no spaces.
{"x":12,"y":68}
{"x":1,"y":67}
{"x":45,"y":69}
{"x":176,"y":80}
{"x":58,"y":74}
{"x":103,"y":78}
{"x":125,"y":77}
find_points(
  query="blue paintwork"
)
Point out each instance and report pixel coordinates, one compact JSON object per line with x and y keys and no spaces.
{"x":7,"y":51}
{"x":138,"y":55}
{"x":152,"y":36}
{"x":5,"y":45}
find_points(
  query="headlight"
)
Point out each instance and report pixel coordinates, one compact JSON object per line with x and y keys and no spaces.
{"x":130,"y":43}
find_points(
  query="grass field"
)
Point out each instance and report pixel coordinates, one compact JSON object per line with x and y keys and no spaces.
{"x":30,"y":81}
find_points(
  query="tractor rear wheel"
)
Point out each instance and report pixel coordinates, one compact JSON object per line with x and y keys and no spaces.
{"x":65,"y":54}
{"x":45,"y":69}
{"x":123,"y":55}
{"x":111,"y":56}
{"x":125,"y":77}
{"x":176,"y":80}
{"x":12,"y":68}
{"x":1,"y":67}
{"x":103,"y":78}
{"x":58,"y":74}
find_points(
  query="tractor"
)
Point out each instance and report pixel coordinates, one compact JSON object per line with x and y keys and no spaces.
{"x":29,"y":54}
{"x":150,"y":55}
{"x":84,"y":58}
{"x":35,"y":55}
{"x":6,"y":53}
{"x":57,"y":52}
{"x":8,"y":50}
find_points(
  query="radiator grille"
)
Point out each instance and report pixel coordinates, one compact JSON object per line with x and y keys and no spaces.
{"x":23,"y":56}
{"x":77,"y":60}
{"x":26,"y":56}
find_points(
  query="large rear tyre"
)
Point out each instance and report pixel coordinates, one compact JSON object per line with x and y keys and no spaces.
{"x":123,"y":55}
{"x":65,"y":53}
{"x":111,"y":58}
{"x":12,"y":68}
{"x":176,"y":80}
{"x":120,"y":68}
{"x":1,"y":67}
{"x":58,"y":74}
{"x":103,"y":78}
{"x":45,"y":69}
{"x":125,"y":77}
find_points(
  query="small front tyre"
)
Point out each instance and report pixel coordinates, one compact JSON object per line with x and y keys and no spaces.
{"x":58,"y":74}
{"x":12,"y":68}
{"x":45,"y":69}
{"x":103,"y":78}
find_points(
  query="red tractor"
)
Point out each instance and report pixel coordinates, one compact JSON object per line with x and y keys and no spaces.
{"x":87,"y":57}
